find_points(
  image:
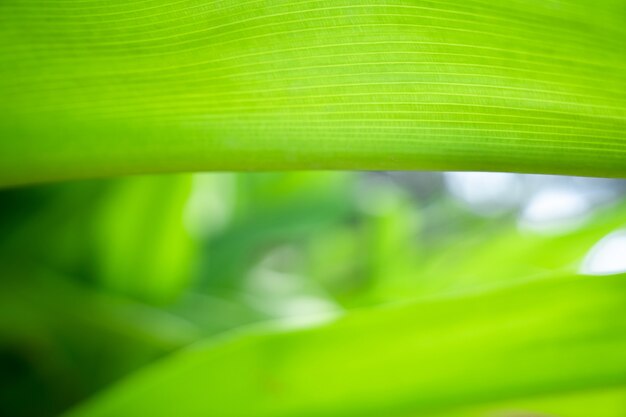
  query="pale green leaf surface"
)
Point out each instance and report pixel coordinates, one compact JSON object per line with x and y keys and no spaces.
{"x":601,"y":403}
{"x":543,"y":338}
{"x":94,"y":88}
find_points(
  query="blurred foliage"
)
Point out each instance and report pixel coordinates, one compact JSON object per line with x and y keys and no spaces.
{"x":101,"y":278}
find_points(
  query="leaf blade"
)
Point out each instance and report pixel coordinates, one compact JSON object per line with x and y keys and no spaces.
{"x":123,"y":87}
{"x":541,"y":338}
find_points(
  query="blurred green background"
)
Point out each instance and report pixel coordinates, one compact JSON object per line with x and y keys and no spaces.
{"x":101,"y":278}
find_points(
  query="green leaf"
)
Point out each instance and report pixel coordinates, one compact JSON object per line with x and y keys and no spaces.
{"x":63,"y":341}
{"x":549,"y":337}
{"x":96,"y":88}
{"x":142,"y":247}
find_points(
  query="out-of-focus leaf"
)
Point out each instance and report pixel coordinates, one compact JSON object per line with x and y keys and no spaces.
{"x":375,"y":250}
{"x":49,"y":224}
{"x":541,"y":338}
{"x":142,"y":248}
{"x":95,"y":88}
{"x":70,"y":341}
{"x":270,"y":210}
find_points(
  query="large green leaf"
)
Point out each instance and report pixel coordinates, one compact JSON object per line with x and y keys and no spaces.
{"x":93,"y":88}
{"x":548,"y":337}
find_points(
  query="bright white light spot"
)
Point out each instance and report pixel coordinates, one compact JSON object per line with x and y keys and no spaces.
{"x":271,"y":283}
{"x":306,"y":306}
{"x":210,"y":205}
{"x":553,"y":205}
{"x":276,"y":288}
{"x":486,"y":193}
{"x":555,"y":210}
{"x":607,"y":257}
